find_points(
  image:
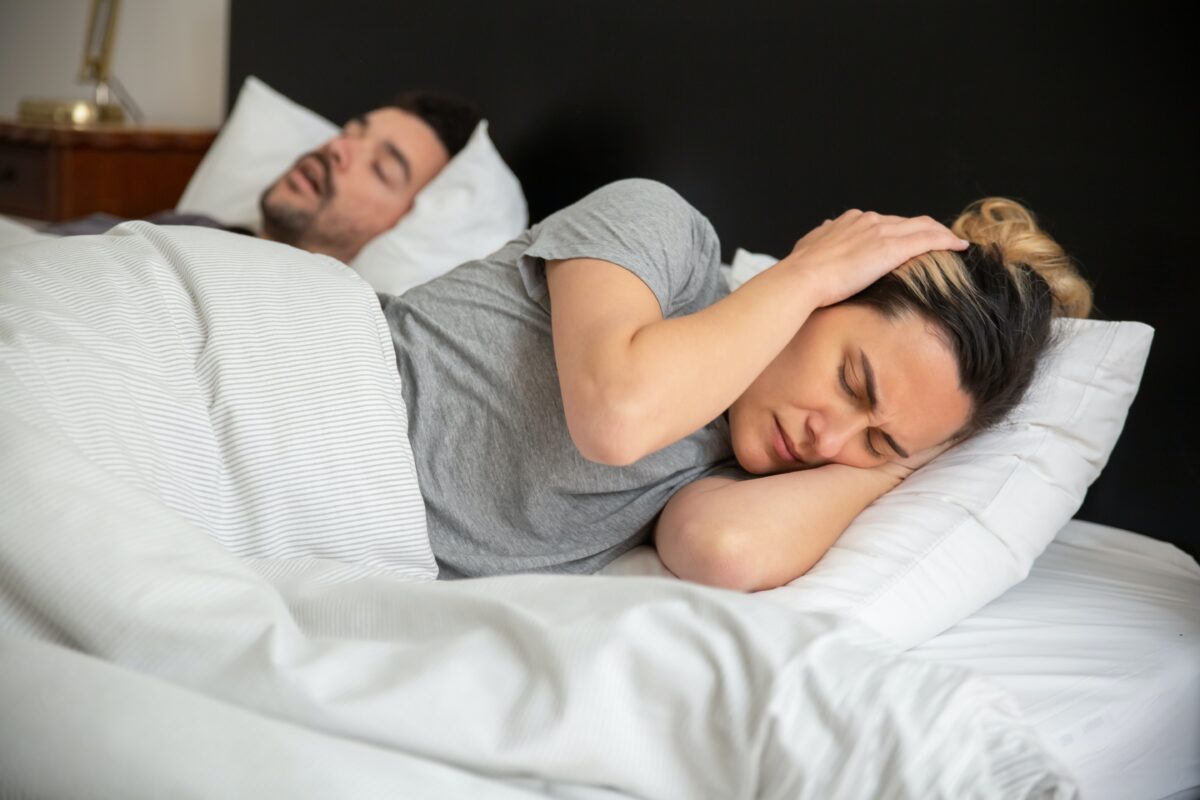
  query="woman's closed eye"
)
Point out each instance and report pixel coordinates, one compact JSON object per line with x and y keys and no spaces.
{"x":853,"y":396}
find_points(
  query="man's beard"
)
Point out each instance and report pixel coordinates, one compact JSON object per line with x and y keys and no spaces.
{"x":282,"y":223}
{"x":285,"y":223}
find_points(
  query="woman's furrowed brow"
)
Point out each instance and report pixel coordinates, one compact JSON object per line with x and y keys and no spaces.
{"x":873,"y":401}
{"x":869,"y":379}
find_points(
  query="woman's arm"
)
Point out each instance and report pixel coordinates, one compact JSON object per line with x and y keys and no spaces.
{"x":633,"y":382}
{"x":764,"y":532}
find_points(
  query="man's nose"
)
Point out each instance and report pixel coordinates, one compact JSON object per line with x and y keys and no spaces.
{"x":339,"y":149}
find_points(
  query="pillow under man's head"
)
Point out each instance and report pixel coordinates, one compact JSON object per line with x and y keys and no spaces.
{"x":337,"y":197}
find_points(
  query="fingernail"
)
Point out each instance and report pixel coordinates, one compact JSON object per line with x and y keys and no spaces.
{"x":964,"y":242}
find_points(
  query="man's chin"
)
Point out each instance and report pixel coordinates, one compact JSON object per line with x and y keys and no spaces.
{"x":283,"y":222}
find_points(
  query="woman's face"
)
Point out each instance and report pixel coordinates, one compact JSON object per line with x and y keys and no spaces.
{"x":854,"y":388}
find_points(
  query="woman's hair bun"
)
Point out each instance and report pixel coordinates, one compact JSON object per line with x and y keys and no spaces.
{"x":1011,"y":229}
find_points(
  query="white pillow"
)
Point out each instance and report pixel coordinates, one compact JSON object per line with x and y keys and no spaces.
{"x":965,"y":528}
{"x":471,"y":208}
{"x":264,"y":135}
{"x":745,"y":266}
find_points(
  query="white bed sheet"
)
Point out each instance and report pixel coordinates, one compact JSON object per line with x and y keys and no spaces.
{"x":1101,"y":647}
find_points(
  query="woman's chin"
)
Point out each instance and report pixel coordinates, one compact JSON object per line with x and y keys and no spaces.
{"x":754,"y":462}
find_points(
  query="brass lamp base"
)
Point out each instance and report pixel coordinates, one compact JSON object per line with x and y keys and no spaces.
{"x":70,"y":112}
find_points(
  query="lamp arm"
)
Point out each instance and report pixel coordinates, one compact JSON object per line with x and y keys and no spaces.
{"x":98,"y":41}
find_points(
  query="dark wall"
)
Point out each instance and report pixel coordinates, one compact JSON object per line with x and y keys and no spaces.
{"x":771,"y":116}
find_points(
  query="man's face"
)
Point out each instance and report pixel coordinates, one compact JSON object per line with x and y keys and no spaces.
{"x":354,"y":187}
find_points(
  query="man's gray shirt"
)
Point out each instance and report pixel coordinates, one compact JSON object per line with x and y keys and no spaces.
{"x":505,"y":488}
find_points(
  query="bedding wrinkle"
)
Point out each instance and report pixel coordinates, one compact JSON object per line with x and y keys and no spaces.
{"x":1101,"y":648}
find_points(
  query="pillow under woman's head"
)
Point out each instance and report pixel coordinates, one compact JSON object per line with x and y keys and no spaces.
{"x":449,"y":199}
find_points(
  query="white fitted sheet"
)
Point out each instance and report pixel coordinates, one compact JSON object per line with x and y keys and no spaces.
{"x":1101,"y":646}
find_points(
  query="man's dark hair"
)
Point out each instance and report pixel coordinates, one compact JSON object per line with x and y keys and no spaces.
{"x":452,"y":118}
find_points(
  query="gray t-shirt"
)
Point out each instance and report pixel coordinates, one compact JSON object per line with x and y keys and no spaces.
{"x":505,"y":488}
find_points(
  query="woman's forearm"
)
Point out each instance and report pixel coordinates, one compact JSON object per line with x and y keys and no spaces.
{"x":694,"y":367}
{"x":761,"y":533}
{"x":650,"y":385}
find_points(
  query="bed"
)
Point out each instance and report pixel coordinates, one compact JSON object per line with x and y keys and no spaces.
{"x":155,"y":660}
{"x":210,"y":512}
{"x":166,"y":554}
{"x":1099,"y":646}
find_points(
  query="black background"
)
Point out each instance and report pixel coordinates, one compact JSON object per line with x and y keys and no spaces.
{"x":770,"y":117}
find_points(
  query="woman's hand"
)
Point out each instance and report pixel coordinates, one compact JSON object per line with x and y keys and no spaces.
{"x":844,"y":256}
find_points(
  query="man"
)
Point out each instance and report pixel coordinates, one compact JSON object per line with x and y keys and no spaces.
{"x":356,"y":186}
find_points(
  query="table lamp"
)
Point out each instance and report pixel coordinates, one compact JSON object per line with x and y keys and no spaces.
{"x":97,"y":56}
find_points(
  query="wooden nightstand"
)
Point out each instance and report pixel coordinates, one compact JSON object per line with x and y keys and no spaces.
{"x":54,"y":173}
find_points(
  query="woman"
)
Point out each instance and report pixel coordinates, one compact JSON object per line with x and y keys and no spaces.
{"x":591,"y":384}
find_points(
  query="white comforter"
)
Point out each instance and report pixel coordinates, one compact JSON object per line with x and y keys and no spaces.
{"x":149,"y":646}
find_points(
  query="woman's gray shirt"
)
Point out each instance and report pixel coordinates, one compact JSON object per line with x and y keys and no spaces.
{"x":505,"y":488}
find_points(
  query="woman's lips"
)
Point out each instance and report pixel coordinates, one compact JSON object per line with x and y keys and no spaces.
{"x":782,"y":447}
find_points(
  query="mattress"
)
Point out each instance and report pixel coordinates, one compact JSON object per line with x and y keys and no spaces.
{"x":1101,"y":647}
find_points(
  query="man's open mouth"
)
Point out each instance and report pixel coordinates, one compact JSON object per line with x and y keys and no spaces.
{"x":312,"y":173}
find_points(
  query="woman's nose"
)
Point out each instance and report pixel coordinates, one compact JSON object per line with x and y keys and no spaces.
{"x":831,"y":432}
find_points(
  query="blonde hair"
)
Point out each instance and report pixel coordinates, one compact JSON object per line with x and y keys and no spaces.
{"x":993,"y":302}
{"x":1012,"y":229}
{"x":1012,"y":233}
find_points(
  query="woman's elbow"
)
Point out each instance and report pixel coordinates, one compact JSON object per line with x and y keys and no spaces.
{"x":609,"y":450}
{"x":728,"y":563}
{"x":608,"y":434}
{"x":721,"y":558}
{"x":727,"y":557}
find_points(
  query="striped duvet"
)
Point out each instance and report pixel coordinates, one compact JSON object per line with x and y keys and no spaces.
{"x":249,"y":386}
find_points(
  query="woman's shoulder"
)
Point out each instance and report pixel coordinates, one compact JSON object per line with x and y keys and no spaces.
{"x":641,"y":210}
{"x":640,"y":195}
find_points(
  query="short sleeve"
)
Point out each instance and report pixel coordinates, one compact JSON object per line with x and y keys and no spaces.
{"x":641,"y":225}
